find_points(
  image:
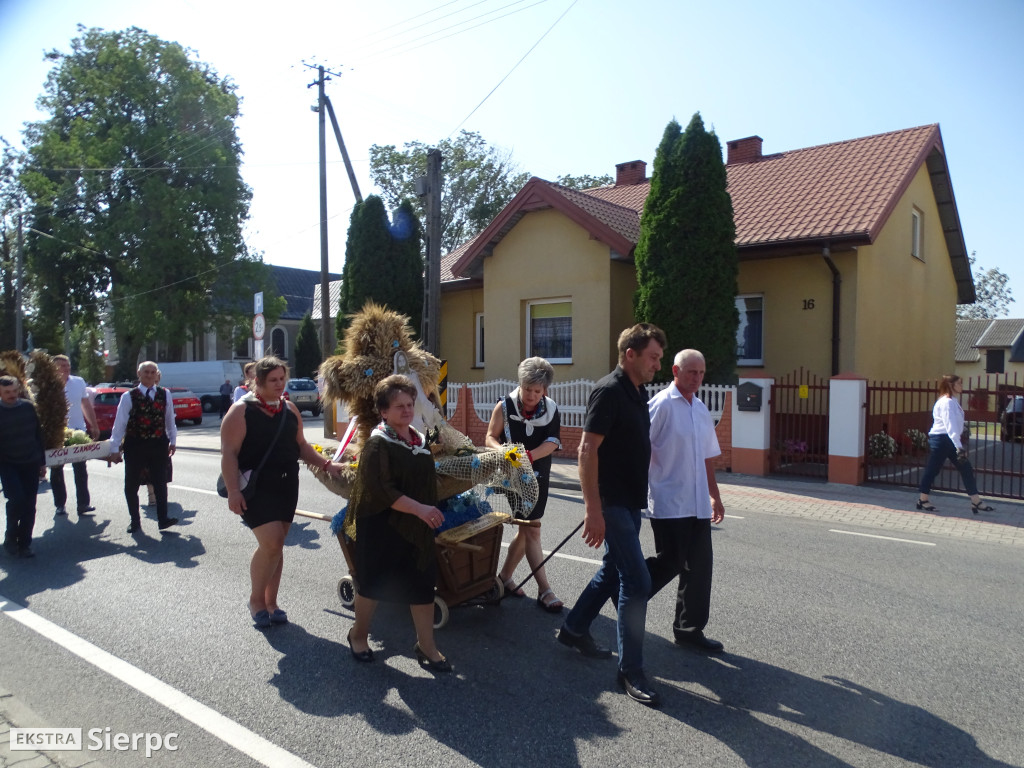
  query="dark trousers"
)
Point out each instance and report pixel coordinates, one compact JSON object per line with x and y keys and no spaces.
{"x":149,"y":456}
{"x":683,"y":547}
{"x":942,"y":449}
{"x":21,"y":486}
{"x":60,"y":490}
{"x":225,"y":404}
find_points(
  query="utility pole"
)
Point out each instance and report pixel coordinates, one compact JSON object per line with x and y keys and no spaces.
{"x":430,"y":187}
{"x":326,"y":337}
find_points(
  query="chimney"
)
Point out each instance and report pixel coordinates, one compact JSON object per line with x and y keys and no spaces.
{"x":633,"y":172}
{"x":744,"y":150}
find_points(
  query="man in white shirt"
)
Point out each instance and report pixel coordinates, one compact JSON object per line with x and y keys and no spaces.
{"x":683,"y":498}
{"x":145,"y":420}
{"x":80,"y":416}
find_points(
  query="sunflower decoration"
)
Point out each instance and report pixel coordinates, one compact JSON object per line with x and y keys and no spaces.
{"x":51,"y":404}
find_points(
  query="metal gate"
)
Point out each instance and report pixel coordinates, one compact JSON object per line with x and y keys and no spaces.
{"x":899,"y":416}
{"x":799,"y":424}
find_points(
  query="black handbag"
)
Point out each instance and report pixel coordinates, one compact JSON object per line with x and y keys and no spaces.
{"x":247,"y":480}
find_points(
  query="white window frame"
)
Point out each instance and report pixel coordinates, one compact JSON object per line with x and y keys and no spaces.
{"x":916,"y":226}
{"x":750,"y":361}
{"x":529,"y":325}
{"x":478,"y":341}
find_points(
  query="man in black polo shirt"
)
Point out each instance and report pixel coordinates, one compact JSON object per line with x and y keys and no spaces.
{"x":614,"y":457}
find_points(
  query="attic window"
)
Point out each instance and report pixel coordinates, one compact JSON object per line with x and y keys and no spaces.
{"x":915,"y":234}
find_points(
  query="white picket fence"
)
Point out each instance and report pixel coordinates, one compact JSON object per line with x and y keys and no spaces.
{"x":572,"y":397}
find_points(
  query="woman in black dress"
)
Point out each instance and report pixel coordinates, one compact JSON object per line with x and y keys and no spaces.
{"x":528,"y":416}
{"x":246,"y":434}
{"x":393,"y":515}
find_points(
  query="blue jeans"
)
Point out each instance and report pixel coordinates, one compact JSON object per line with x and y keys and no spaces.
{"x":623,"y":575}
{"x":942,"y":448}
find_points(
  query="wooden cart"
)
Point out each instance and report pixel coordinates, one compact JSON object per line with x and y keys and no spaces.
{"x":467,"y":566}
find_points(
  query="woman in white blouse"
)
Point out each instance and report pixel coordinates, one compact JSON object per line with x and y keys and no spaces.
{"x":945,"y":442}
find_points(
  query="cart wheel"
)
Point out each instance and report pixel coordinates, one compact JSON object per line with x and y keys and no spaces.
{"x":347,"y":591}
{"x":494,"y":594}
{"x":440,"y":612}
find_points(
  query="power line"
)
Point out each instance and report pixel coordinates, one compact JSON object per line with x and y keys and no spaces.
{"x":377,"y":43}
{"x":414,"y":47}
{"x":485,"y":98}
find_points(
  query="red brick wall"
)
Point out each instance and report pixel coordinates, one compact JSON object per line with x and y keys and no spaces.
{"x":468,"y":423}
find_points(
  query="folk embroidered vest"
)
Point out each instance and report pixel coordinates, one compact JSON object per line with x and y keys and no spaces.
{"x":146,"y":419}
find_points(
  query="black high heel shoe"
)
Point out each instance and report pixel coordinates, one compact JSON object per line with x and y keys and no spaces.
{"x":926,"y":506}
{"x":441,"y":665}
{"x":981,"y":506}
{"x":363,"y":656}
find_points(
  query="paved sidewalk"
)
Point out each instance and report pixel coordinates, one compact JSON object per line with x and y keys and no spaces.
{"x":888,"y":508}
{"x":15,"y":714}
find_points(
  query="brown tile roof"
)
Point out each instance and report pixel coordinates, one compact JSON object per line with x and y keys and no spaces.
{"x":624,"y":219}
{"x":840,"y":190}
{"x":967,"y":334}
{"x":829,"y":193}
{"x":1000,"y":333}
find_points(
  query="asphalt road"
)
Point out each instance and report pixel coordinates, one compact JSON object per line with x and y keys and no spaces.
{"x":842,"y":650}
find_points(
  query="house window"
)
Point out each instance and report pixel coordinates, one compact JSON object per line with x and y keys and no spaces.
{"x":995,"y":361}
{"x":549,"y":330}
{"x":915,"y":235}
{"x":479,"y":344}
{"x":750,"y":333}
{"x":278,"y":343}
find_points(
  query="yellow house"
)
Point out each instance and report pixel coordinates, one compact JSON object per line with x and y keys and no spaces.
{"x":851,"y":260}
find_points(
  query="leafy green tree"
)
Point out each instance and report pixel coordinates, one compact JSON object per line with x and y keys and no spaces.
{"x":686,"y":260}
{"x":307,"y":349}
{"x":11,"y":202}
{"x":382,"y":262}
{"x":478,"y":180}
{"x":994,"y":295}
{"x":134,"y":179}
{"x":585,"y":181}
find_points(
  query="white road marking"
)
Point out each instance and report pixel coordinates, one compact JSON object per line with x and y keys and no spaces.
{"x":887,"y":538}
{"x":255,"y":746}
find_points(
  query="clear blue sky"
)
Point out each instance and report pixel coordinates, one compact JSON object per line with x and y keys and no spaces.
{"x":596,"y":91}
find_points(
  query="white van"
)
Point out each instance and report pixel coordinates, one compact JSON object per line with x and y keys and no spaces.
{"x":203,"y":377}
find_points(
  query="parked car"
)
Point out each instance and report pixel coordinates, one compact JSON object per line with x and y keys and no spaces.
{"x":104,"y":403}
{"x":1011,"y":423}
{"x":305,"y":395}
{"x":187,"y":406}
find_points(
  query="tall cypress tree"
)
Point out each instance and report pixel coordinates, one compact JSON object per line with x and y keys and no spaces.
{"x":382,"y":262}
{"x":686,"y":260}
{"x":307,"y":349}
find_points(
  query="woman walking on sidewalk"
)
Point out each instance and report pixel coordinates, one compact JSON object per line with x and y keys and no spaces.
{"x":945,"y":440}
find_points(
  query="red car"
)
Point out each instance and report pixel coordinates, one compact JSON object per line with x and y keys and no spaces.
{"x":186,"y":406}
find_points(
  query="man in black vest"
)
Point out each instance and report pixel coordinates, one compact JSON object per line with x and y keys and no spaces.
{"x":145,"y":419}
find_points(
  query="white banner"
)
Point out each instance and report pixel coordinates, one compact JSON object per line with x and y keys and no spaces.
{"x":74,"y":453}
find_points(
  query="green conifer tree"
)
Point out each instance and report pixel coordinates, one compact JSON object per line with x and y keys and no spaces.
{"x":307,"y":349}
{"x":686,"y":260}
{"x":382,"y":262}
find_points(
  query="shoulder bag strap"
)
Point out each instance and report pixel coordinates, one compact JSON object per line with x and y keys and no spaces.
{"x":280,"y":429}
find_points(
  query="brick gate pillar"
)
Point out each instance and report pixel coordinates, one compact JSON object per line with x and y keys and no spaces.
{"x":847,"y":414}
{"x":752,"y":433}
